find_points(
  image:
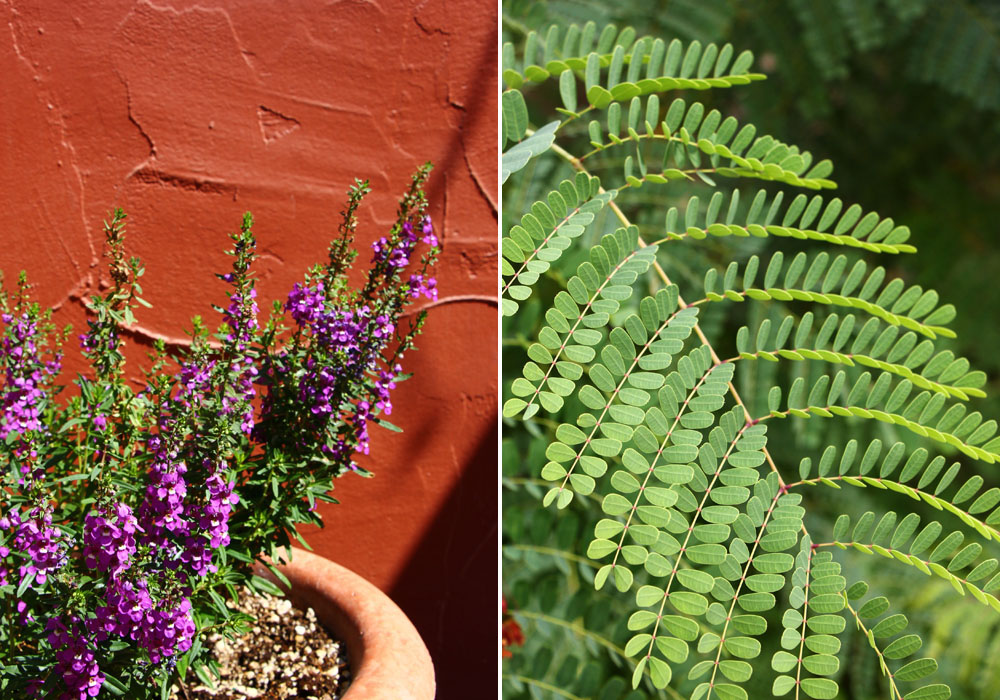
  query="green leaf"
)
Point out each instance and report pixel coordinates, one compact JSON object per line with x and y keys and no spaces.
{"x":776,"y":563}
{"x":623,"y":578}
{"x":599,"y":96}
{"x":25,"y":583}
{"x":821,"y":664}
{"x":707,"y":554}
{"x":639,"y":642}
{"x":567,"y":90}
{"x":749,"y":624}
{"x":826,"y":624}
{"x":781,"y":685}
{"x":742,"y":647}
{"x":874,"y":607}
{"x":938,"y":691}
{"x":637,"y":672}
{"x":673,"y":648}
{"x":767,"y":583}
{"x":779,"y":541}
{"x":515,"y":115}
{"x":857,"y":590}
{"x":689,"y":603}
{"x":114,"y":685}
{"x":659,"y":672}
{"x":266,"y":586}
{"x":695,"y":580}
{"x":903,"y":647}
{"x":783,"y":662}
{"x":820,"y":688}
{"x":518,"y":156}
{"x":728,"y":691}
{"x":738,"y":671}
{"x":649,"y":595}
{"x":841,"y":527}
{"x":890,"y":626}
{"x":756,"y":602}
{"x":917,"y":669}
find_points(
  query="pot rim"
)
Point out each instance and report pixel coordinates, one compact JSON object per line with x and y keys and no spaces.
{"x":387,"y":657}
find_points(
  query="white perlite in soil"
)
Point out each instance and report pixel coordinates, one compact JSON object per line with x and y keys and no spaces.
{"x":285,"y":654}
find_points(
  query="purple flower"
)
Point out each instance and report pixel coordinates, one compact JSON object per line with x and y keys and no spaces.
{"x":421,"y":285}
{"x":4,"y":553}
{"x":383,"y":385}
{"x":25,"y":374}
{"x":241,"y":315}
{"x":167,"y":630}
{"x":76,"y":665}
{"x":305,"y":303}
{"x":193,"y":382}
{"x":162,"y":628}
{"x":213,"y":519}
{"x":36,"y":538}
{"x":109,"y":542}
{"x":125,"y":609}
{"x":383,"y":326}
{"x":428,"y":231}
{"x":162,"y":512}
{"x":396,"y":256}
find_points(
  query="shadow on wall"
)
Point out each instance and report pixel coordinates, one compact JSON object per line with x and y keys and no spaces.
{"x":457,"y":551}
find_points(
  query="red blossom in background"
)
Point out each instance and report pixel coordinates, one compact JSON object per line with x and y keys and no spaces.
{"x":511,"y":634}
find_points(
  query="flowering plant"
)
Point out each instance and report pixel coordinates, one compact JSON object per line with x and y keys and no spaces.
{"x":128,"y":518}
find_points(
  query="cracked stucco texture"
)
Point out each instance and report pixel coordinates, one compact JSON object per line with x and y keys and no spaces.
{"x":188,"y":114}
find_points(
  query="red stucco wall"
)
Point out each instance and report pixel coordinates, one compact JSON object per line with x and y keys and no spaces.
{"x":187,"y":114}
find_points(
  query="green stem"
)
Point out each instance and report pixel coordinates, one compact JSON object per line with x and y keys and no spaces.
{"x":574,"y":627}
{"x":635,"y":363}
{"x":543,"y":685}
{"x":896,"y":695}
{"x":583,"y":632}
{"x":659,"y":453}
{"x":876,"y":482}
{"x":687,"y":538}
{"x":552,"y":552}
{"x":739,"y":587}
{"x":805,"y":616}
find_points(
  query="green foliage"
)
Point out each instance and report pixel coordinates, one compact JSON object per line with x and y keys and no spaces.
{"x":623,"y":415}
{"x":948,"y":45}
{"x":545,"y":231}
{"x":131,"y":517}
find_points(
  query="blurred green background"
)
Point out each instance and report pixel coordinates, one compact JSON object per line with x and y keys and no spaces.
{"x":904,"y":97}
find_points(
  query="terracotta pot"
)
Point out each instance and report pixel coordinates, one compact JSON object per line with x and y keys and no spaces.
{"x":388,"y":659}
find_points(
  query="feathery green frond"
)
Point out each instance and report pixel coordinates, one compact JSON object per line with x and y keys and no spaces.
{"x":967,"y":433}
{"x":810,"y":624}
{"x":686,"y":133}
{"x":617,"y":66}
{"x":832,"y":224}
{"x":903,"y":646}
{"x":575,"y":323}
{"x":616,"y":399}
{"x":889,"y":540}
{"x":687,"y":529}
{"x":855,"y":472}
{"x":876,"y":345}
{"x":545,"y":231}
{"x":896,"y":304}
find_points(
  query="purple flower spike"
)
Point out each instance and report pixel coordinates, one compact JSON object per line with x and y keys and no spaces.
{"x":109,"y":542}
{"x":42,"y":543}
{"x":428,"y":231}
